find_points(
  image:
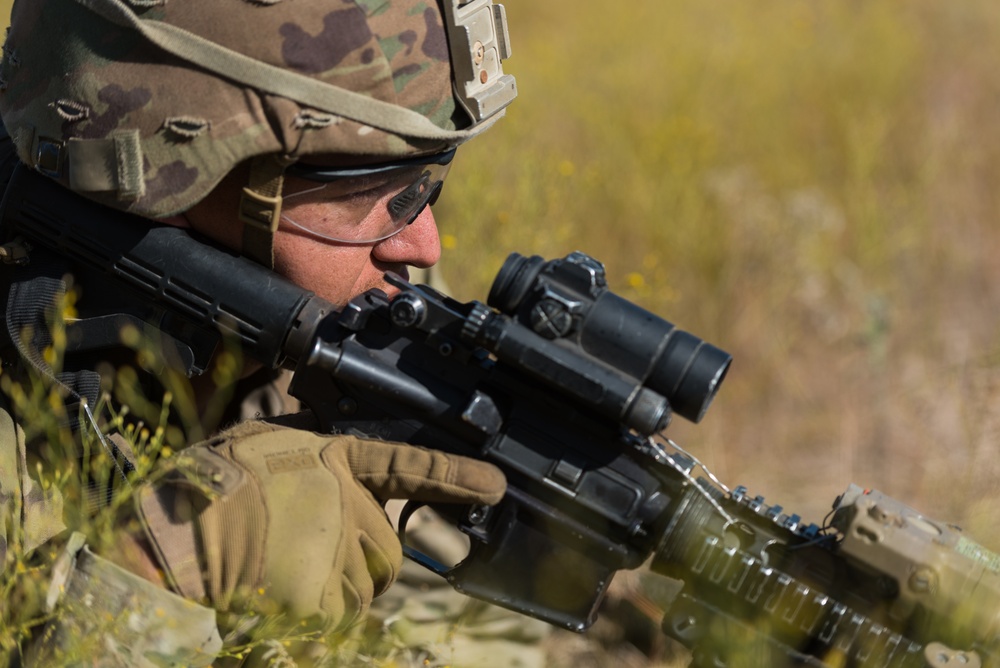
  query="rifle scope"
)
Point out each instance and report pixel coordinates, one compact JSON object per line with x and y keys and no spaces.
{"x":569,"y":299}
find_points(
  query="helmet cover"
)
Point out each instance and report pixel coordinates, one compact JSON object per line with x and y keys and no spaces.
{"x":146,"y":105}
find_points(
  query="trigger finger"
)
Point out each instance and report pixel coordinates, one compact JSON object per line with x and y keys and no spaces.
{"x":400,"y":471}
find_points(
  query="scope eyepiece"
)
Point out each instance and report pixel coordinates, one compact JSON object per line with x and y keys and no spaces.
{"x":514,"y":281}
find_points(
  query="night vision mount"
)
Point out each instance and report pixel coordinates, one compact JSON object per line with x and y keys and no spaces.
{"x":478,"y":41}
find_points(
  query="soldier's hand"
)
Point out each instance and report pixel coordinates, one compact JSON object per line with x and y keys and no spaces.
{"x":281,"y":520}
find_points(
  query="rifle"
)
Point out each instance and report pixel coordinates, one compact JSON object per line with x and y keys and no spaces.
{"x":566,"y":387}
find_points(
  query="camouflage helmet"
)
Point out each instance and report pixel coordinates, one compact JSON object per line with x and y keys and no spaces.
{"x":145,"y":105}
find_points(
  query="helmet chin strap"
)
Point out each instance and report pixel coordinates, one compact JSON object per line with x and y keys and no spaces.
{"x":260,"y":207}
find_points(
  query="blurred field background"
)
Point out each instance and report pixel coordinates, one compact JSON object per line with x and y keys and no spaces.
{"x":810,"y":186}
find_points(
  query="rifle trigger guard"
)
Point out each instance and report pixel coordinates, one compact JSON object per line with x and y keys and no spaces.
{"x":430,"y":564}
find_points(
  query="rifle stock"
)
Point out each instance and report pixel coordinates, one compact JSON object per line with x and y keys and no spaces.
{"x":562,"y":385}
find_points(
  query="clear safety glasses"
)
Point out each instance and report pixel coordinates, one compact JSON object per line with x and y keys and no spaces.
{"x":365,"y":204}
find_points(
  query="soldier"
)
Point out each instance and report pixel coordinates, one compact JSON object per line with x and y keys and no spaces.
{"x":310,"y":137}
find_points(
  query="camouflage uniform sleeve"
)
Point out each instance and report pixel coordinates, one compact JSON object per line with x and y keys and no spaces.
{"x":104,"y":616}
{"x":97,"y":612}
{"x":32,"y":515}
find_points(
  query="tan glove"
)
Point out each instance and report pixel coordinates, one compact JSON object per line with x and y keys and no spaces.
{"x":281,"y":520}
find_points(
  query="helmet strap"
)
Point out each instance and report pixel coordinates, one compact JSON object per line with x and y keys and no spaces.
{"x":260,"y":208}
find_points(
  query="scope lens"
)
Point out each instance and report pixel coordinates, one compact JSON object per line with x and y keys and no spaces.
{"x":689,"y":373}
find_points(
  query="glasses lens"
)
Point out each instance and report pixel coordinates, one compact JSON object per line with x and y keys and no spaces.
{"x":407,"y":205}
{"x":368,"y":204}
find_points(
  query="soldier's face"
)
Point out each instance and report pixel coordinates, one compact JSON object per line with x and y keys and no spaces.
{"x":338,"y":271}
{"x":333,"y":270}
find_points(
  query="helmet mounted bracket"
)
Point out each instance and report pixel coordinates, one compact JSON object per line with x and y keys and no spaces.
{"x":478,"y":41}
